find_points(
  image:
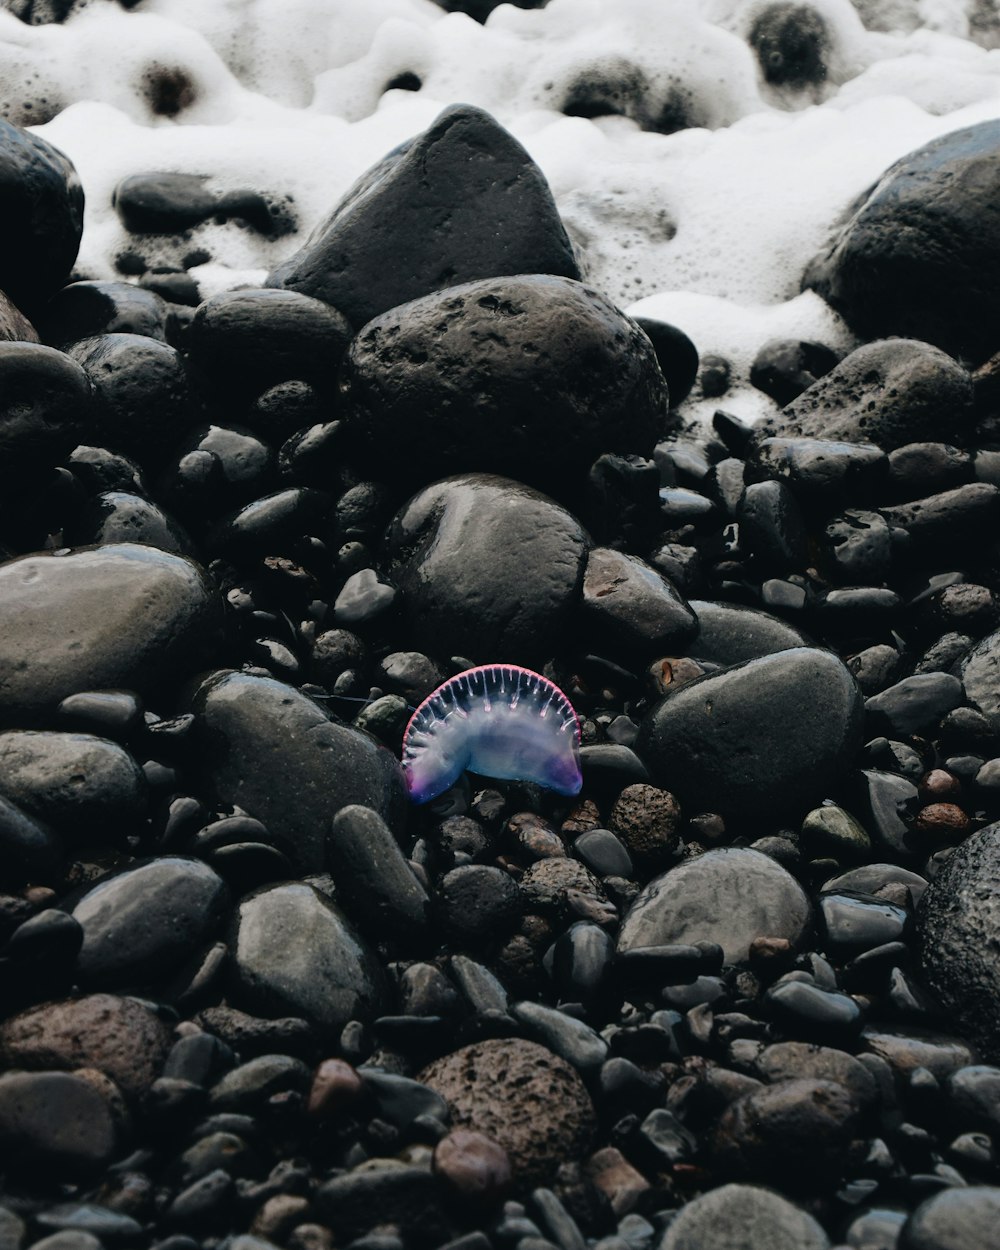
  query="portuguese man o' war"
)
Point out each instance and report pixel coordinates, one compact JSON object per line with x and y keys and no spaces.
{"x":498,"y":720}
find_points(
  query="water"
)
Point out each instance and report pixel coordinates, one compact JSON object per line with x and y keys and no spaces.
{"x":709,"y":226}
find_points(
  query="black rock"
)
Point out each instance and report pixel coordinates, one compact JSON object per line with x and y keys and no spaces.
{"x":812,"y":1011}
{"x":274,"y":524}
{"x":461,"y":201}
{"x":276,"y":754}
{"x":363,"y":598}
{"x":117,"y":617}
{"x":784,"y":368}
{"x":29,"y":849}
{"x":889,"y":393}
{"x":295,"y":954}
{"x":82,"y":785}
{"x":567,"y":1037}
{"x":748,"y":1216}
{"x":244,"y":342}
{"x":118,"y":517}
{"x":245,"y":1090}
{"x":917,"y":255}
{"x":43,"y":216}
{"x":56,"y":1121}
{"x":488,"y":568}
{"x":859,"y":547}
{"x":139,"y":923}
{"x":532,"y":376}
{"x":883,"y":800}
{"x":856,"y":922}
{"x":115,"y":714}
{"x":822,"y":474}
{"x":676,"y":354}
{"x":730,"y":897}
{"x":792,"y":43}
{"x":45,"y":400}
{"x":913,"y":705}
{"x":90,"y":1217}
{"x":171,"y":203}
{"x":980,"y":674}
{"x":785,"y":1061}
{"x":84,"y":309}
{"x":920,"y":469}
{"x":974,"y":1097}
{"x":957,"y":1219}
{"x":603,"y":853}
{"x":729,"y":633}
{"x":477,"y":901}
{"x":935,"y":526}
{"x":796,"y":1133}
{"x":97,"y":470}
{"x":217,"y":467}
{"x":958,"y":922}
{"x":373,"y":879}
{"x":141,"y":399}
{"x":743,"y":741}
{"x":631,"y":607}
{"x":353,"y":1203}
{"x":772,"y":528}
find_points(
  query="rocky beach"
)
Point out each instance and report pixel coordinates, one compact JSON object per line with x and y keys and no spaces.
{"x":651,"y":346}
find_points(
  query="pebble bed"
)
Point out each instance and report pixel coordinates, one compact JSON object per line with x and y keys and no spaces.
{"x":273,"y":469}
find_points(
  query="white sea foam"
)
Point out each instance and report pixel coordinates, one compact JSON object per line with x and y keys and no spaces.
{"x":709,"y":227}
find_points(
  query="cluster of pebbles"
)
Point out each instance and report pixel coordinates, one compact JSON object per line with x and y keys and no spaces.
{"x":744,"y":991}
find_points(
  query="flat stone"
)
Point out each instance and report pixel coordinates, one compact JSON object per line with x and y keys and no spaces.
{"x":487,"y":567}
{"x":295,"y":954}
{"x":56,"y":1120}
{"x":275,"y":753}
{"x":744,"y":742}
{"x":141,"y":922}
{"x":118,"y":617}
{"x":731,"y":897}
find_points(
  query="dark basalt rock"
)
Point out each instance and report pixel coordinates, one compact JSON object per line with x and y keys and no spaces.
{"x":123,"y":616}
{"x":120,"y":517}
{"x":891,"y":392}
{"x":276,"y":754}
{"x":534,"y":376}
{"x":729,"y":633}
{"x":295,"y":954}
{"x":141,"y":400}
{"x":980,"y":673}
{"x":170,"y":203}
{"x":487,"y":567}
{"x":85,"y":309}
{"x":796,"y":1133}
{"x":822,"y":474}
{"x":43,"y":216}
{"x":56,"y":1121}
{"x":83,"y":785}
{"x":45,"y":398}
{"x":139,"y":923}
{"x":790,"y":41}
{"x":461,"y":201}
{"x":745,"y":742}
{"x":632,"y":606}
{"x":919,"y":253}
{"x":730,"y":897}
{"x":958,"y":926}
{"x":243,"y":342}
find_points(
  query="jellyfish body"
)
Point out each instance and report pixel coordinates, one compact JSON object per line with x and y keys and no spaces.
{"x":498,"y":720}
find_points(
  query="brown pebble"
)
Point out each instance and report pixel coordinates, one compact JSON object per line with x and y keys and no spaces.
{"x":707,"y":827}
{"x":533,"y":836}
{"x":667,"y":675}
{"x":647,"y":820}
{"x":118,"y":1036}
{"x":939,"y":786}
{"x":474,"y":1165}
{"x":611,"y":1173}
{"x":40,"y":896}
{"x":523,"y":1096}
{"x":942,"y":820}
{"x":336,"y":1088}
{"x":586,"y":815}
{"x":278,"y":1216}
